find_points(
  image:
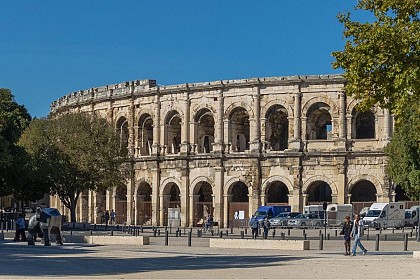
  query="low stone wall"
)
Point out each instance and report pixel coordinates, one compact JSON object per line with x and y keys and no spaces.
{"x":265,"y":244}
{"x":107,"y":240}
{"x":416,"y":254}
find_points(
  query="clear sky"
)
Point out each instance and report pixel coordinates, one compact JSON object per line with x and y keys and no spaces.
{"x":51,"y":48}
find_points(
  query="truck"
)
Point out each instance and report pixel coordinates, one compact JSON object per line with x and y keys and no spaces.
{"x":271,"y":211}
{"x":385,"y":215}
{"x":337,"y":212}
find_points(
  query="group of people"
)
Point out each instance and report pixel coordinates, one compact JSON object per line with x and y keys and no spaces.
{"x":353,"y":230}
{"x":109,"y":215}
{"x":255,"y":225}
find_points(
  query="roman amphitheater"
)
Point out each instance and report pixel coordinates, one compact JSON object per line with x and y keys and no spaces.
{"x":232,"y":145}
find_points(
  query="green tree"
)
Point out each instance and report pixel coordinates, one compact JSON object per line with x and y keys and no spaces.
{"x":14,"y":118}
{"x":381,"y":58}
{"x":74,"y":153}
{"x":404,"y":153}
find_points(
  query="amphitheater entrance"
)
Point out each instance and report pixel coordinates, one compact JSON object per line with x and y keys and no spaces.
{"x":239,"y":130}
{"x":145,"y":136}
{"x":318,"y":192}
{"x":277,"y":193}
{"x":204,"y":131}
{"x":319,"y":125}
{"x":363,"y":194}
{"x":144,"y":204}
{"x":171,"y":199}
{"x":238,"y":210}
{"x":121,"y":205}
{"x":203,"y":202}
{"x":122,"y":136}
{"x":277,"y":128}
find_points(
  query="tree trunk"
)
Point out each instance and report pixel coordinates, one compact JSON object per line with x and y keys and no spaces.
{"x":72,"y":209}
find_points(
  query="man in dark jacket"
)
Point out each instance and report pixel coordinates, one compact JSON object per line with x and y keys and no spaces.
{"x":346,"y":231}
{"x":254,"y":225}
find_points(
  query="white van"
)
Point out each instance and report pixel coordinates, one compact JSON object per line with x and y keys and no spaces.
{"x":314,"y":209}
{"x":385,"y":215}
{"x":337,"y":212}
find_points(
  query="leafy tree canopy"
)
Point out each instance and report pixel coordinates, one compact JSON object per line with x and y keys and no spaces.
{"x":381,"y":58}
{"x":74,"y":153}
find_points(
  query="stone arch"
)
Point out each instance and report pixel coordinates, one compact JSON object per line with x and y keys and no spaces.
{"x":283,"y":103}
{"x":204,"y":129}
{"x":143,"y":111}
{"x":363,"y":191}
{"x":198,"y":180}
{"x":165,"y":111}
{"x":172,"y":135}
{"x":122,"y":130}
{"x":353,"y":181}
{"x":363,"y":125}
{"x":275,"y":178}
{"x":141,"y":181}
{"x":145,"y":134}
{"x":239,"y":133}
{"x":320,"y":99}
{"x":203,"y":198}
{"x":232,"y":181}
{"x":319,"y":121}
{"x":121,"y":197}
{"x":198,"y":107}
{"x":143,"y":202}
{"x":313,"y":179}
{"x":171,"y":192}
{"x":277,"y":127}
{"x":235,"y":105}
{"x":168,"y":180}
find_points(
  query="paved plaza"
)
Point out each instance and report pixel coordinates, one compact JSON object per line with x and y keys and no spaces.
{"x":178,"y":261}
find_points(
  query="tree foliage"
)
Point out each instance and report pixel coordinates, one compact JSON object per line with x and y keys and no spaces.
{"x":381,"y":58}
{"x":14,"y":118}
{"x":404,"y":153}
{"x":74,"y":153}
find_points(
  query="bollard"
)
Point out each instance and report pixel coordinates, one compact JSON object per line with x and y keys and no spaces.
{"x":321,"y":242}
{"x":179,"y":232}
{"x":303,"y":232}
{"x":380,"y":231}
{"x":282,"y":236}
{"x":159,"y":232}
{"x":242,"y":234}
{"x":141,"y":228}
{"x":403,"y":229}
{"x":227,"y":233}
{"x":392,"y":230}
{"x":231,"y":230}
{"x":304,"y":236}
{"x":274,"y":233}
{"x":246,"y":231}
{"x":288,"y":232}
{"x":405,"y":242}
{"x":385,"y":237}
{"x":328,"y":236}
{"x":112,"y":233}
{"x":189,"y":238}
{"x":221,"y":234}
{"x":198,"y":233}
{"x":377,"y":242}
{"x":84,"y":225}
{"x":154,"y":233}
{"x":71,"y":233}
{"x":166,"y":238}
{"x":335,"y":232}
{"x":118,"y":227}
{"x":212,"y":232}
{"x":91,"y":233}
{"x":176,"y":233}
{"x":94,"y":226}
{"x":320,"y":232}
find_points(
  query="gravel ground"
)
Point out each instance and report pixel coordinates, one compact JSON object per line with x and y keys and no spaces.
{"x":178,"y":261}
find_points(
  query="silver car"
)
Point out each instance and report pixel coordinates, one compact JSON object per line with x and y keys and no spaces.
{"x":282,"y":218}
{"x":305,"y":220}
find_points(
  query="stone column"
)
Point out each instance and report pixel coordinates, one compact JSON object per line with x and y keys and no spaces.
{"x":255,"y":132}
{"x":191,"y":223}
{"x":225,"y":210}
{"x":135,"y":209}
{"x":156,"y":203}
{"x":131,"y":116}
{"x":342,"y":135}
{"x":130,"y":187}
{"x":185,"y":131}
{"x":218,"y":130}
{"x":156,"y":127}
{"x":218,"y":194}
{"x":387,"y":125}
{"x":161,"y":211}
{"x":348,"y":198}
{"x":297,"y":137}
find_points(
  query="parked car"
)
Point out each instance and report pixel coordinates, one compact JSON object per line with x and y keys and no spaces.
{"x":282,"y":218}
{"x":305,"y":220}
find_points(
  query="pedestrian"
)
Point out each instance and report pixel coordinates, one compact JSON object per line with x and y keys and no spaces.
{"x":357,"y":233}
{"x":209,"y":223}
{"x":106,"y":218}
{"x":346,"y":231}
{"x":254,"y":225}
{"x":113,"y":215}
{"x":20,"y":229}
{"x":266,"y":227}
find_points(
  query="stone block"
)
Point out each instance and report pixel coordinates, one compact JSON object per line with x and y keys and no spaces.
{"x":118,"y":240}
{"x":416,"y":254}
{"x":75,"y":239}
{"x":264,"y":244}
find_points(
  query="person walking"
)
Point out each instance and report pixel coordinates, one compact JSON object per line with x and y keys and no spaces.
{"x":106,"y":218}
{"x":113,"y":215}
{"x":346,"y":231}
{"x":266,"y":227}
{"x":254,"y":225}
{"x":357,"y":233}
{"x":20,"y":229}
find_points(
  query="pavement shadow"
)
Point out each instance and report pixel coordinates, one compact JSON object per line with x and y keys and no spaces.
{"x":40,"y":261}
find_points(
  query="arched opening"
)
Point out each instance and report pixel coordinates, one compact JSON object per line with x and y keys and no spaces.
{"x":203,"y":202}
{"x":171,"y":200}
{"x":277,"y":193}
{"x":239,"y":129}
{"x":319,"y":125}
{"x":204,"y":131}
{"x":144,"y":204}
{"x":400,"y":194}
{"x":122,"y":134}
{"x":173,"y":132}
{"x":364,"y":125}
{"x":318,"y":192}
{"x":121,"y":205}
{"x":238,"y":204}
{"x":145,"y":135}
{"x":363,"y":194}
{"x":277,"y":128}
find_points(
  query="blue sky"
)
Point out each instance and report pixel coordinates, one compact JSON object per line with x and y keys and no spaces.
{"x":51,"y":48}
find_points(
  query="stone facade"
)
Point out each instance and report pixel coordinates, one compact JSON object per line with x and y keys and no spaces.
{"x":232,"y":145}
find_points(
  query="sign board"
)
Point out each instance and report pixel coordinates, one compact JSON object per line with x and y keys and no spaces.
{"x":241,"y":215}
